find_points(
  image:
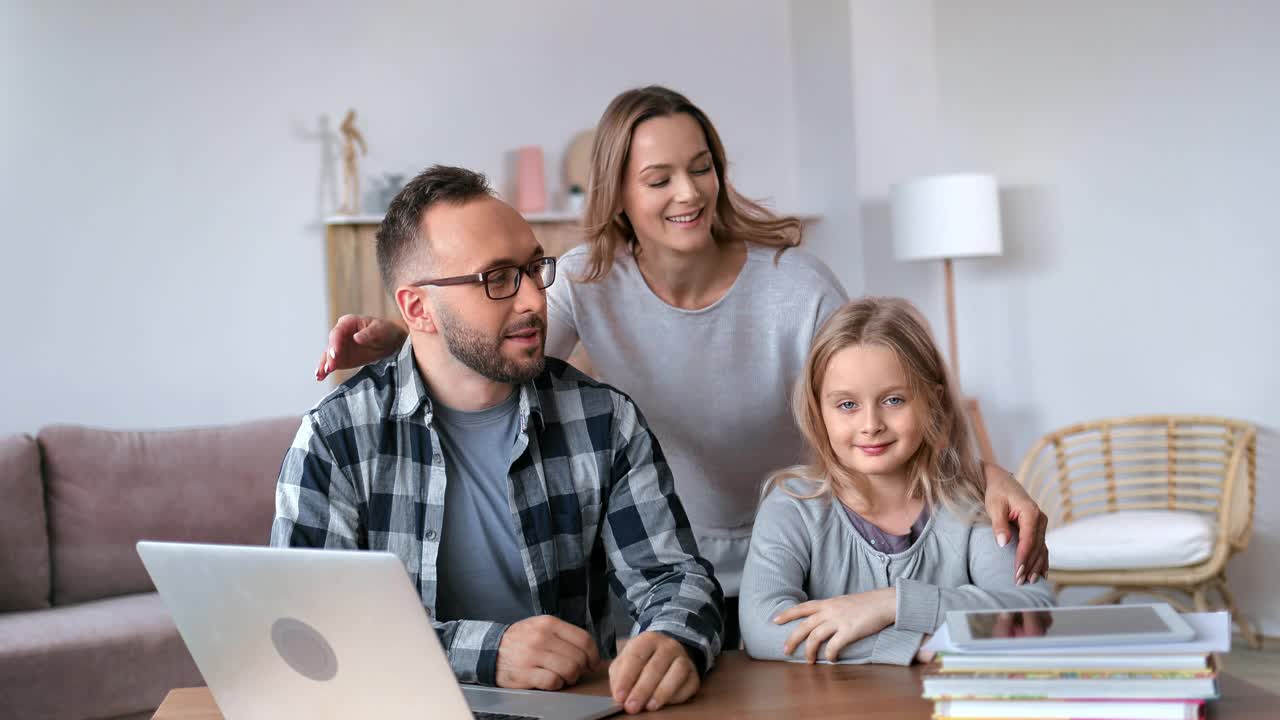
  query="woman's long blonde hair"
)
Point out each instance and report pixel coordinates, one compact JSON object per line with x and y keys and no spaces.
{"x":945,"y":469}
{"x":606,"y":226}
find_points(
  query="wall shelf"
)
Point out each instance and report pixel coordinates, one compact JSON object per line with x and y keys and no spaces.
{"x":538,"y":218}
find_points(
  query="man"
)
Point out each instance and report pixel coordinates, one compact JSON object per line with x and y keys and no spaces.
{"x":513,"y":487}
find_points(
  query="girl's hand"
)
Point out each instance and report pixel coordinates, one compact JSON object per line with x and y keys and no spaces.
{"x":922,"y":655}
{"x":838,"y":621}
{"x":357,"y":341}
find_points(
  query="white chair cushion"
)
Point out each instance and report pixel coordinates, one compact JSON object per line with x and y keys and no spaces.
{"x":1131,"y":540}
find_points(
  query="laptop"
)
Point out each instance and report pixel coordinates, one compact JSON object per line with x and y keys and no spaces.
{"x":325,"y":633}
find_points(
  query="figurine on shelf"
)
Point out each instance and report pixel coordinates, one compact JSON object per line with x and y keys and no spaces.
{"x":350,"y":170}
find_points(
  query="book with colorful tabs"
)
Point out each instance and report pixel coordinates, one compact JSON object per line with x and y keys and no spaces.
{"x":1088,"y":681}
{"x":1070,"y":710}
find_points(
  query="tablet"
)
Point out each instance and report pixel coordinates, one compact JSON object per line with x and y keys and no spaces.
{"x":1067,"y":626}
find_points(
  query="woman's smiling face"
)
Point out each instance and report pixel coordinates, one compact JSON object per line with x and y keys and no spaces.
{"x":670,"y":186}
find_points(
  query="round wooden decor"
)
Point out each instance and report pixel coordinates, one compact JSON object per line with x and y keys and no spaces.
{"x":577,"y":160}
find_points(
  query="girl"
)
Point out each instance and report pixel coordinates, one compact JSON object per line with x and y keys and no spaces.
{"x":684,"y":293}
{"x":860,"y":554}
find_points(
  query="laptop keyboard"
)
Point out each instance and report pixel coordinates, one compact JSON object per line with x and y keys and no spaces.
{"x":502,"y":716}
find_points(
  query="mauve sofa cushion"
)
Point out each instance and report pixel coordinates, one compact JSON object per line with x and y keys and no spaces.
{"x":109,"y":489}
{"x":24,"y":537}
{"x":99,"y":659}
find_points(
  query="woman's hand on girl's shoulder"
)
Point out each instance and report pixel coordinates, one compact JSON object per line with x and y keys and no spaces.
{"x":838,"y":621}
{"x":1008,"y":502}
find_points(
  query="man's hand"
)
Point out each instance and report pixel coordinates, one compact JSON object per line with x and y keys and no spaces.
{"x":653,"y":670}
{"x":357,"y":341}
{"x":544,"y":653}
{"x":838,"y":621}
{"x":1006,"y":500}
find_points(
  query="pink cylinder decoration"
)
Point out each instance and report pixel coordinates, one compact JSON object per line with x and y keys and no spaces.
{"x":531,"y":187}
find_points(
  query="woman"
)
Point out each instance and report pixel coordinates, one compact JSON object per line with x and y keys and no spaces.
{"x":694,"y":301}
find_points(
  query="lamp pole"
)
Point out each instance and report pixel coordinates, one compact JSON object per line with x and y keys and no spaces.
{"x":951,"y":319}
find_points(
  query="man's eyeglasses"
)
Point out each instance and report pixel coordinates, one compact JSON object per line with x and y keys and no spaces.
{"x":503,"y":282}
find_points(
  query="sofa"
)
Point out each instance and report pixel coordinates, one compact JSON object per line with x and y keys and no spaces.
{"x":83,"y":635}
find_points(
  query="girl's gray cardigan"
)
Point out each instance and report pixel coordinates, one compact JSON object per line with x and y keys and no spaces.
{"x":809,"y":550}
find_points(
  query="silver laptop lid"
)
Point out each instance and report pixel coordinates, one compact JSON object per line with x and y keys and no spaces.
{"x":305,"y":633}
{"x":324,"y":633}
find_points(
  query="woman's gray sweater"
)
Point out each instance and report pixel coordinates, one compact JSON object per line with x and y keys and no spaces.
{"x":809,"y":550}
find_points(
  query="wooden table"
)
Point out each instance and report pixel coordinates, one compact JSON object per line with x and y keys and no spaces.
{"x":743,"y":688}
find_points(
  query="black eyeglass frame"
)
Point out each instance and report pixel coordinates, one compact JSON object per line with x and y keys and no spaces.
{"x":532,"y":269}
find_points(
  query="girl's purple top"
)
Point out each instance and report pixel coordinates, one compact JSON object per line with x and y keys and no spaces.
{"x":883,"y":541}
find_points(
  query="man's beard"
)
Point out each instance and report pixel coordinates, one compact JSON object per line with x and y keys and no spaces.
{"x":484,"y":354}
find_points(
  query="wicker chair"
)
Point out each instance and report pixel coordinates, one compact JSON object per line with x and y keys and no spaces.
{"x":1097,"y":479}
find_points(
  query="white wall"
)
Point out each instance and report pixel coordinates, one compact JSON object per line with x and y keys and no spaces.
{"x":1136,"y":148}
{"x":162,"y":183}
{"x":825,"y":170}
{"x":897,"y":131}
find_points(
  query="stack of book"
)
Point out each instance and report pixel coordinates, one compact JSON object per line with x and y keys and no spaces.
{"x":1149,"y":681}
{"x":1074,"y":686}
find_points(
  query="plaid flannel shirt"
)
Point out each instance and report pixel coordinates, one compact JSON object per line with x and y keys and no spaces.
{"x":591,"y":497}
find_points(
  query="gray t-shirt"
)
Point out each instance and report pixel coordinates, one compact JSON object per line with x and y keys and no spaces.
{"x":481,"y":574}
{"x":714,"y":384}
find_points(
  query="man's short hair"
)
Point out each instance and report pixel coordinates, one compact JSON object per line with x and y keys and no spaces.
{"x":400,"y":229}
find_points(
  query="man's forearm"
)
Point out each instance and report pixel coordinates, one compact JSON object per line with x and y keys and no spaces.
{"x":472,"y":648}
{"x":693,"y":615}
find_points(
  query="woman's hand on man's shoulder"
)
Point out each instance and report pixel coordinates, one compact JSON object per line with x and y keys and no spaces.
{"x":356,"y":341}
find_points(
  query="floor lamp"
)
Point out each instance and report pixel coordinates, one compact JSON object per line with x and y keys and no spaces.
{"x":944,"y":217}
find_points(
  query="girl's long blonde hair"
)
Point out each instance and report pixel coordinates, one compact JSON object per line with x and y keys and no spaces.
{"x":946,"y":468}
{"x":605,"y":225}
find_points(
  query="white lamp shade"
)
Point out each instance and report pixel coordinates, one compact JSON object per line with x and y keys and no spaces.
{"x":946,"y":216}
